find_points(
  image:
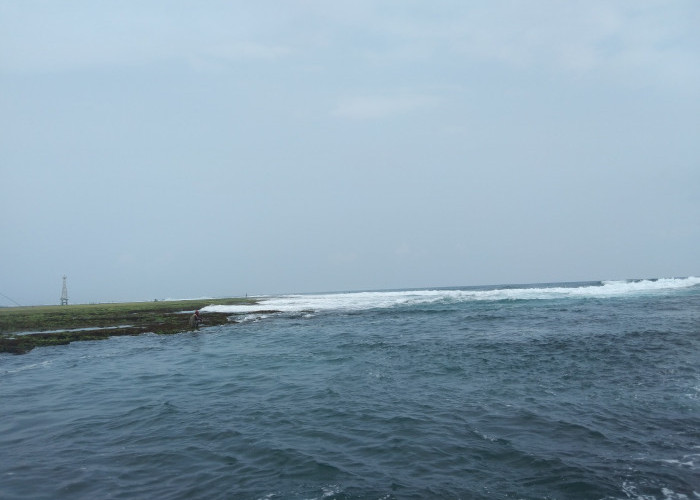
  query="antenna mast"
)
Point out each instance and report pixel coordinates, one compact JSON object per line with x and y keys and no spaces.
{"x":64,"y":293}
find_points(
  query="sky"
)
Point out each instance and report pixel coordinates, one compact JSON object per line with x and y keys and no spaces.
{"x":179,"y":149}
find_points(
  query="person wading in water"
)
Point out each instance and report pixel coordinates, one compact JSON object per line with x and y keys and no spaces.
{"x":195,"y":320}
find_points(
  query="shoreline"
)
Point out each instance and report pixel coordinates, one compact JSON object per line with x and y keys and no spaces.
{"x":24,"y":328}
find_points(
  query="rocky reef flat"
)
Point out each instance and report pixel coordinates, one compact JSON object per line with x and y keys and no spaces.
{"x":24,"y":328}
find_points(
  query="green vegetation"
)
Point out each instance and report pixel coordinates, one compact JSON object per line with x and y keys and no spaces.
{"x":55,"y":325}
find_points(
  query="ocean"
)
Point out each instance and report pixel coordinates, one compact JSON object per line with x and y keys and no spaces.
{"x":546,"y":391}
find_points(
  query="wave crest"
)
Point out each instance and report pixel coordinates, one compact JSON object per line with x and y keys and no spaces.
{"x":357,"y":301}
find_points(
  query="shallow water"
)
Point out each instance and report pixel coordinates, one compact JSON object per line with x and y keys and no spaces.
{"x":556,"y":391}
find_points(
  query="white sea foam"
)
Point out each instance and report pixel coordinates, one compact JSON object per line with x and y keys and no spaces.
{"x":30,"y":366}
{"x":630,"y":490}
{"x":356,"y":301}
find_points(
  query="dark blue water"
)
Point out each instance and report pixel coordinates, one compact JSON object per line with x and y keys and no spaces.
{"x":579,"y":391}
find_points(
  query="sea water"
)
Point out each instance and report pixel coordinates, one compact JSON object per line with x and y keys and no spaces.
{"x":560,"y":391}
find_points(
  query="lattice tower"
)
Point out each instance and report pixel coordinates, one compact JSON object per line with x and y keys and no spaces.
{"x":64,"y":293}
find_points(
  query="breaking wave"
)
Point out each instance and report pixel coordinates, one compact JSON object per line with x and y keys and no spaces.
{"x":357,"y":301}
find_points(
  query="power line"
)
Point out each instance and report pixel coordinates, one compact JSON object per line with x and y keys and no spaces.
{"x":11,"y":300}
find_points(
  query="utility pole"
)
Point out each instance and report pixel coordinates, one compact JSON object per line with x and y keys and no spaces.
{"x":64,"y":293}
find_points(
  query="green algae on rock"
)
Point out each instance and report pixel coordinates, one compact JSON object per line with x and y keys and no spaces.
{"x":23,"y":328}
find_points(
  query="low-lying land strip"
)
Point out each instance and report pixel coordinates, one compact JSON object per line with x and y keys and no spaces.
{"x":23,"y":328}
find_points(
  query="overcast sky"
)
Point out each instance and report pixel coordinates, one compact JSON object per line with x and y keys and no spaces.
{"x":174,"y":149}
